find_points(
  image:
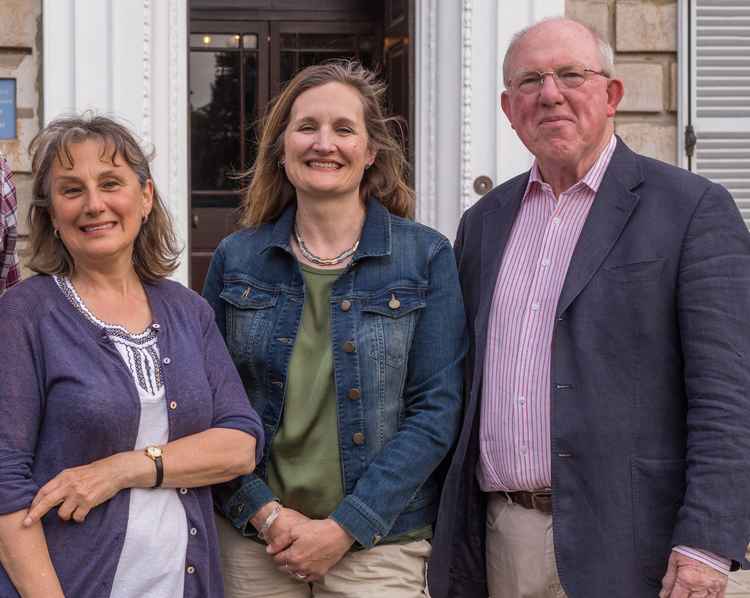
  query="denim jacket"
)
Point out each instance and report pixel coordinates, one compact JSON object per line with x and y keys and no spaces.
{"x":399,"y":339}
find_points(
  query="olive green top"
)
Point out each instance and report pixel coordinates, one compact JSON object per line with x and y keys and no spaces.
{"x":304,"y":470}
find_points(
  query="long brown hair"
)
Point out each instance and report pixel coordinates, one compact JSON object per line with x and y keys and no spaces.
{"x":270,"y":191}
{"x":156,"y":251}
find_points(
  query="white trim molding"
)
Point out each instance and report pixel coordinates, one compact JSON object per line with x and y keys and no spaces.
{"x":92,"y":62}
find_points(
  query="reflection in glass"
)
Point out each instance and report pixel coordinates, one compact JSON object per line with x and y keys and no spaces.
{"x":214,"y":40}
{"x":214,"y":118}
{"x":299,"y":50}
{"x":251,"y":95}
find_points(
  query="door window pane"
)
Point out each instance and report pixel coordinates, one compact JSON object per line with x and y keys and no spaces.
{"x":214,"y":40}
{"x":215,"y":119}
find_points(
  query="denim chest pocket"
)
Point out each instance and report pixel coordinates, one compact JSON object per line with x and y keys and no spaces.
{"x":389,"y":319}
{"x":249,"y":318}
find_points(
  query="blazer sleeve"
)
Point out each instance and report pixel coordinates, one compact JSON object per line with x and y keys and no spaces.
{"x":713,"y":302}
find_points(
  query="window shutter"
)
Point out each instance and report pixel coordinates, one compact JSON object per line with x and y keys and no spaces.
{"x":720,"y":94}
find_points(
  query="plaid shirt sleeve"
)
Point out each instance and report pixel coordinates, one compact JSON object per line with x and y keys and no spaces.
{"x":10,"y":270}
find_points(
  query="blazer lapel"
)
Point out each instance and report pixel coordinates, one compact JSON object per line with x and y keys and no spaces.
{"x":496,"y":227}
{"x":610,"y":212}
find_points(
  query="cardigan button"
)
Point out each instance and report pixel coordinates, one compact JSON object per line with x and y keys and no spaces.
{"x":190,"y":569}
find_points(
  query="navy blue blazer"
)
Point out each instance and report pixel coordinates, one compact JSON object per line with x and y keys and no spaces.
{"x":650,"y":383}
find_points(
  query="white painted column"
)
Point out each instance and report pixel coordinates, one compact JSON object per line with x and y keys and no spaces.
{"x":461,"y":132}
{"x":127,"y":60}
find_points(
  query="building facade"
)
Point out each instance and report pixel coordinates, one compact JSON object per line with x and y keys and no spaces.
{"x":160,"y":66}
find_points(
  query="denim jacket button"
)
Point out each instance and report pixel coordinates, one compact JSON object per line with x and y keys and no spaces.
{"x":354,"y":394}
{"x":349,"y":347}
{"x":394,"y":303}
{"x":346,"y":305}
{"x":358,"y":438}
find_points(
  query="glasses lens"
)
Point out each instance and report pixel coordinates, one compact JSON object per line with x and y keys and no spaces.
{"x":528,"y":82}
{"x":570,"y":76}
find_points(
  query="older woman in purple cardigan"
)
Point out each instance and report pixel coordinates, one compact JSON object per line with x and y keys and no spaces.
{"x":119,"y":404}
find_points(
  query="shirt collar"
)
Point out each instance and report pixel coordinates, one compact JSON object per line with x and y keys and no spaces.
{"x":375,"y":239}
{"x":592,"y":179}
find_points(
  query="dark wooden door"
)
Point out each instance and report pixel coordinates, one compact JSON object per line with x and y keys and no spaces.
{"x":398,"y":58}
{"x":241,"y":55}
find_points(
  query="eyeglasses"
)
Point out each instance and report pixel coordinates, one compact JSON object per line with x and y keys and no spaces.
{"x":568,"y":77}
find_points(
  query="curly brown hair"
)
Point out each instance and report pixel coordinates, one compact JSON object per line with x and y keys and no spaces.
{"x":156,"y":250}
{"x":270,"y":191}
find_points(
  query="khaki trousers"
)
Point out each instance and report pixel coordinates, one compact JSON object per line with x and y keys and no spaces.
{"x":389,"y":571}
{"x":520,"y":552}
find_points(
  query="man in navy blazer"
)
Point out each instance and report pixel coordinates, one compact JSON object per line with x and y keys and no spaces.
{"x":646,"y":365}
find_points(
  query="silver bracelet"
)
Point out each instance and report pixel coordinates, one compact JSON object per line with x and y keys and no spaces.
{"x":272,"y":516}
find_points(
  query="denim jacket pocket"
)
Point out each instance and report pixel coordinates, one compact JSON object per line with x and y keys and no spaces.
{"x":398,"y":309}
{"x":249,"y":322}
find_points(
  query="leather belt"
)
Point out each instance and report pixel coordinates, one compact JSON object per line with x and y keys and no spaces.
{"x":540,"y":500}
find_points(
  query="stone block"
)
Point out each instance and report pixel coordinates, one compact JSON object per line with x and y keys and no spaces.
{"x":18,"y":22}
{"x":644,"y":84}
{"x":23,"y":193}
{"x":594,"y":13}
{"x":646,"y":26}
{"x":16,"y":150}
{"x":673,"y":89}
{"x":656,"y":140}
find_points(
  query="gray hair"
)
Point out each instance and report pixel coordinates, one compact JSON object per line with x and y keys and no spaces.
{"x":156,"y":250}
{"x":606,"y":54}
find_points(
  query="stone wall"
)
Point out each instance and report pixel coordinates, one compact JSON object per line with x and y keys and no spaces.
{"x":21,"y":59}
{"x":643,"y":34}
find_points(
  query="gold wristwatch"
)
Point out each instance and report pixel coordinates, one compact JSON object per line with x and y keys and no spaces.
{"x":155,"y":453}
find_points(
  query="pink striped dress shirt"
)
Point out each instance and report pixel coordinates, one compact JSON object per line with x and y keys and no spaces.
{"x":514,"y":433}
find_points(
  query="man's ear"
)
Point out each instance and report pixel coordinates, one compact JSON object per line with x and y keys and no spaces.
{"x":505,"y":105}
{"x":615,"y":91}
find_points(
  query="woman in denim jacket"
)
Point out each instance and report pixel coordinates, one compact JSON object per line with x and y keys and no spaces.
{"x":345,"y":320}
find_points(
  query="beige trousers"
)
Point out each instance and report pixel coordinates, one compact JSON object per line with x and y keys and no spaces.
{"x":520,"y":552}
{"x":389,"y":571}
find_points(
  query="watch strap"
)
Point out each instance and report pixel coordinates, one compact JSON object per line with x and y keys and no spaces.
{"x":159,"y":471}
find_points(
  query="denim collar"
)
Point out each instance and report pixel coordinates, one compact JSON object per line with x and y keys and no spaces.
{"x":375,"y":239}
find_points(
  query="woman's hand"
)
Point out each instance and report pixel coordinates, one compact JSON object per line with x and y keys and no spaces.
{"x":278,"y":536}
{"x":80,"y":489}
{"x":317,"y":545}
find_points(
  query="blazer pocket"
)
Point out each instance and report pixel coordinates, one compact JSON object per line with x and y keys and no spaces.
{"x":635,"y":272}
{"x":658,"y":491}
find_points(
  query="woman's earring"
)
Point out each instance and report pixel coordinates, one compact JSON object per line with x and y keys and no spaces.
{"x":281,"y":163}
{"x":145,"y":219}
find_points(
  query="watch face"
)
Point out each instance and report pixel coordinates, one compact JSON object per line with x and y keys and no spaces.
{"x":153,"y":452}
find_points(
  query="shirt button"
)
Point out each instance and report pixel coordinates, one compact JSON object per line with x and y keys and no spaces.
{"x":173,"y":405}
{"x":190,"y":569}
{"x":183,"y":490}
{"x":346,"y":305}
{"x":545,"y":263}
{"x":555,"y":221}
{"x":521,"y":400}
{"x":358,"y":438}
{"x":354,"y":394}
{"x":524,"y":449}
{"x":193,"y":531}
{"x":166,"y":361}
{"x":534,"y":307}
{"x":349,"y":347}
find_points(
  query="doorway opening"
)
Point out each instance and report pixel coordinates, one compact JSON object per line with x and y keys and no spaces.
{"x":241,"y":53}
